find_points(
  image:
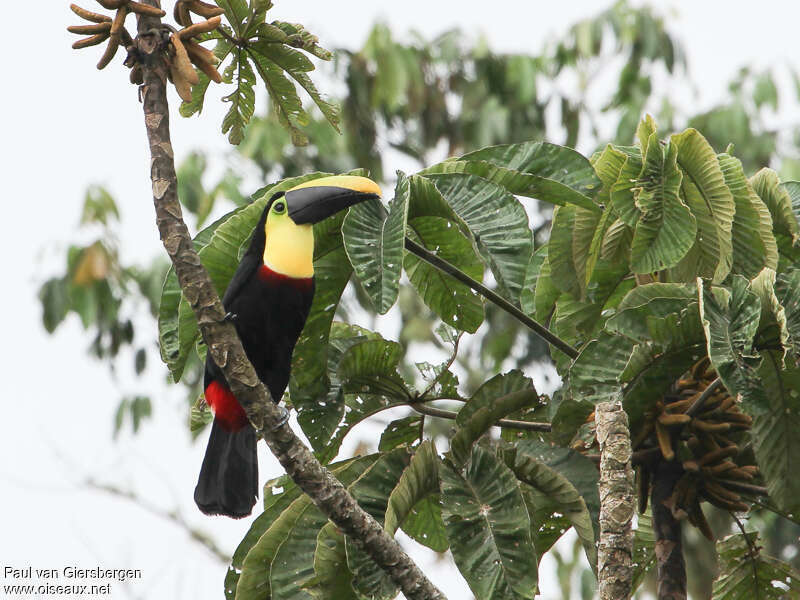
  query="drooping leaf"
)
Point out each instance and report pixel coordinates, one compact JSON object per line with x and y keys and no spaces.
{"x":242,"y":99}
{"x":666,"y":229}
{"x":767,"y":185}
{"x":249,"y":576}
{"x":498,"y":223}
{"x":489,"y":528}
{"x":774,"y":433}
{"x":568,"y":480}
{"x":418,"y":481}
{"x":493,"y":389}
{"x":483,"y":410}
{"x":746,"y":573}
{"x":374,"y":244}
{"x":644,"y":553}
{"x":754,"y":245}
{"x":372,"y":491}
{"x":332,"y":579}
{"x":704,"y":191}
{"x":450,"y":299}
{"x":401,"y":432}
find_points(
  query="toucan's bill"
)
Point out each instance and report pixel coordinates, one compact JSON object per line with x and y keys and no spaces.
{"x":315,"y":200}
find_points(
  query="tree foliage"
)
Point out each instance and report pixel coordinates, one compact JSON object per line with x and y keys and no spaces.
{"x":660,"y":256}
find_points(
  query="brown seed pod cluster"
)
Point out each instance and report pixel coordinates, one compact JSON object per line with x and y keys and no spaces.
{"x":183,"y":8}
{"x":105,"y":28}
{"x":700,"y":425}
{"x":184,"y":52}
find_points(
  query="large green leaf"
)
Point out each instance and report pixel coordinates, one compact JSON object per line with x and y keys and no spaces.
{"x":703,"y":189}
{"x":787,"y":291}
{"x":644,"y":548}
{"x":372,"y":491}
{"x":498,"y":223}
{"x":275,"y":525}
{"x":754,"y":245}
{"x":374,"y":245}
{"x":332,"y":579}
{"x":362,"y":371}
{"x":569,"y":481}
{"x":560,"y":254}
{"x":767,"y":185}
{"x":666,"y":228}
{"x":621,"y":193}
{"x":645,"y":304}
{"x":747,"y":574}
{"x":730,"y":320}
{"x":775,"y":427}
{"x":548,"y":172}
{"x":451,"y":300}
{"x":418,"y":481}
{"x":489,"y":528}
{"x":484,"y":409}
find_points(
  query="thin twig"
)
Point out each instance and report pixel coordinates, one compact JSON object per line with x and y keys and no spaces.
{"x":432,"y":411}
{"x":745,"y":488}
{"x":444,"y":266}
{"x":701,"y":400}
{"x":170,"y":515}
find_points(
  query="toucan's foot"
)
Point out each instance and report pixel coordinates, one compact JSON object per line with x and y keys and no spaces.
{"x":230,"y":317}
{"x":284,"y":418}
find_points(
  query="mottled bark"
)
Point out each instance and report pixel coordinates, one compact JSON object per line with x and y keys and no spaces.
{"x":225,"y":347}
{"x":615,"y":551}
{"x":667,"y":529}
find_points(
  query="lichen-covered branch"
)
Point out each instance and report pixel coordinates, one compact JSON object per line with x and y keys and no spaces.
{"x":226,"y":349}
{"x":615,"y":552}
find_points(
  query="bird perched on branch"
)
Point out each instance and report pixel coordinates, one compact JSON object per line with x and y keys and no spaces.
{"x":268,"y":300}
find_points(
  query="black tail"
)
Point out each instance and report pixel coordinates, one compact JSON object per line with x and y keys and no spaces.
{"x":228,"y":482}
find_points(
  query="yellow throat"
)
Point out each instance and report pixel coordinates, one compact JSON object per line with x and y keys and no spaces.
{"x":289,"y":249}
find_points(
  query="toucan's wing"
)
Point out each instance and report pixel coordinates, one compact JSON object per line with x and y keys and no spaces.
{"x":246,"y":269}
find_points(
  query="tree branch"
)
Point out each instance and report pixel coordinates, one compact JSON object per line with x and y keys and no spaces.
{"x":615,"y":551}
{"x":444,"y":266}
{"x":170,"y":515}
{"x":327,"y":493}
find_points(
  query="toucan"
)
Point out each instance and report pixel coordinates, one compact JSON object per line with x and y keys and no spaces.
{"x":268,"y":300}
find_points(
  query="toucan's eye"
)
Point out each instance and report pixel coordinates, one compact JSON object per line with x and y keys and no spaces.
{"x":280,"y":207}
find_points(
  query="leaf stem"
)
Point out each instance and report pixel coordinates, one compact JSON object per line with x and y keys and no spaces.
{"x":444,"y":266}
{"x":697,"y":405}
{"x":432,"y":411}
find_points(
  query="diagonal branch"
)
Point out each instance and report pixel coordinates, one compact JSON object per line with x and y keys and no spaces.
{"x":326,"y":492}
{"x":444,"y":266}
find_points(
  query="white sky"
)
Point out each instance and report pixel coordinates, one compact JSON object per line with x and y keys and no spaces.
{"x":68,"y":125}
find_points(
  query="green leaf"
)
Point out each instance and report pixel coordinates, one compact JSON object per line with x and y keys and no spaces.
{"x":256,"y":552}
{"x":644,"y":548}
{"x":285,"y":101}
{"x":296,"y":64}
{"x":546,"y":293}
{"x":498,"y":223}
{"x":527,"y":299}
{"x":401,"y":432}
{"x":645,"y":304}
{"x":569,"y":481}
{"x":775,"y":427}
{"x":495,"y":388}
{"x":767,"y":185}
{"x":545,"y":160}
{"x":418,"y":481}
{"x":451,"y":300}
{"x":236,"y":11}
{"x":787,"y":291}
{"x":372,"y":491}
{"x":560,"y":255}
{"x":666,"y":228}
{"x":730,"y":321}
{"x":746,"y":573}
{"x":332,"y":579}
{"x":484,"y":411}
{"x":424,"y":524}
{"x":374,"y":243}
{"x":754,"y":245}
{"x":547,"y":172}
{"x":489,"y":528}
{"x":621,"y":193}
{"x":242,"y":99}
{"x":703,"y":189}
